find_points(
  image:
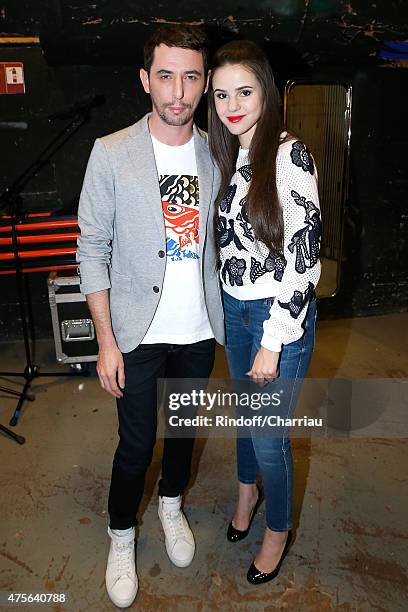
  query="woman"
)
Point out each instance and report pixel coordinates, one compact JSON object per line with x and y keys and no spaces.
{"x":268,"y":229}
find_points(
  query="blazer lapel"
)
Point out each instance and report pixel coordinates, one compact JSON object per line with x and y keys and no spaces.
{"x":140,"y":149}
{"x":205,"y":171}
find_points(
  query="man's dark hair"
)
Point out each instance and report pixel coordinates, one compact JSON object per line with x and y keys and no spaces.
{"x":176,"y":35}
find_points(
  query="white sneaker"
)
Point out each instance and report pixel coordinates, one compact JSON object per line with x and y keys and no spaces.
{"x":180,"y":544}
{"x":121,"y":579}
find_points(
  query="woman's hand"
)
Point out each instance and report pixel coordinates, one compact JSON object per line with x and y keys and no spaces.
{"x":265,"y":367}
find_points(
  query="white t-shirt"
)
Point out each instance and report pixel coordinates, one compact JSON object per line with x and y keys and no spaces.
{"x":181,"y":316}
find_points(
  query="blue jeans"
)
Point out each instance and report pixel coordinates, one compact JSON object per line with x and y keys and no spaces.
{"x":270,"y":454}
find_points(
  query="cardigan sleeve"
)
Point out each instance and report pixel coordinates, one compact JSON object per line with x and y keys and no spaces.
{"x":296,"y":178}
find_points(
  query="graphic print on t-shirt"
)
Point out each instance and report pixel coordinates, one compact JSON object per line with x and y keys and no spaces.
{"x":180,"y":199}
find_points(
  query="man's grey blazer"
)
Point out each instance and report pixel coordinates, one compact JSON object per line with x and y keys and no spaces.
{"x":123,"y":235}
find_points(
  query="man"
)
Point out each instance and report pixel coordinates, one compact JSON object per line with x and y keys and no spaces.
{"x":148,"y":269}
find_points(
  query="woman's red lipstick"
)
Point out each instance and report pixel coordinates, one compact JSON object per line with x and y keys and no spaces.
{"x":235,"y":119}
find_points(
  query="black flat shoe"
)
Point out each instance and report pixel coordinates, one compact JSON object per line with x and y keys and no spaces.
{"x":235,"y":535}
{"x":254,"y":576}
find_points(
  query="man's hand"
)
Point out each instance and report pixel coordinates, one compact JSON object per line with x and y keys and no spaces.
{"x":110,"y":366}
{"x":111,"y":370}
{"x":265,"y":367}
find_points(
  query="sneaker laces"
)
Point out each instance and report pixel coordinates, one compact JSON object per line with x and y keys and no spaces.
{"x":123,"y":556}
{"x":176,"y":523}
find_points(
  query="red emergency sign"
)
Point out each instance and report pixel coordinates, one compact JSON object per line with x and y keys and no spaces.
{"x":11,"y":78}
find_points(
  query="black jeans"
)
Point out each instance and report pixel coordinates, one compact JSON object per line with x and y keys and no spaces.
{"x":137,"y":413}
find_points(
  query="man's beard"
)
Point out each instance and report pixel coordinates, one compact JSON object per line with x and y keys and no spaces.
{"x":171,"y":119}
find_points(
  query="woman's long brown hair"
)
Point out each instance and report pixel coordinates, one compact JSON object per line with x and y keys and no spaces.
{"x":262,"y":202}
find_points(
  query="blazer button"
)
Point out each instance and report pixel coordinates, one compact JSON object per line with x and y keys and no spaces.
{"x":161,"y":253}
{"x":156,"y":289}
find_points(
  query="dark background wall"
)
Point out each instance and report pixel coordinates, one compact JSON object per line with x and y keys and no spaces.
{"x":95,"y":48}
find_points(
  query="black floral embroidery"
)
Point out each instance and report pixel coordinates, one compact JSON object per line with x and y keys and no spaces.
{"x":306,"y":241}
{"x":297,"y":301}
{"x":226,"y":201}
{"x":227,"y":234}
{"x":277,"y":263}
{"x":235,"y":269}
{"x":273,"y":263}
{"x":246,"y":172}
{"x":301,"y":156}
{"x":245,"y":224}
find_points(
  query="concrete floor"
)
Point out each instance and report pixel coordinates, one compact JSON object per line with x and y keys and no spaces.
{"x":350,"y":550}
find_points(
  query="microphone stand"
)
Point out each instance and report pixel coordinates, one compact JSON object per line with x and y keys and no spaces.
{"x":11,"y":201}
